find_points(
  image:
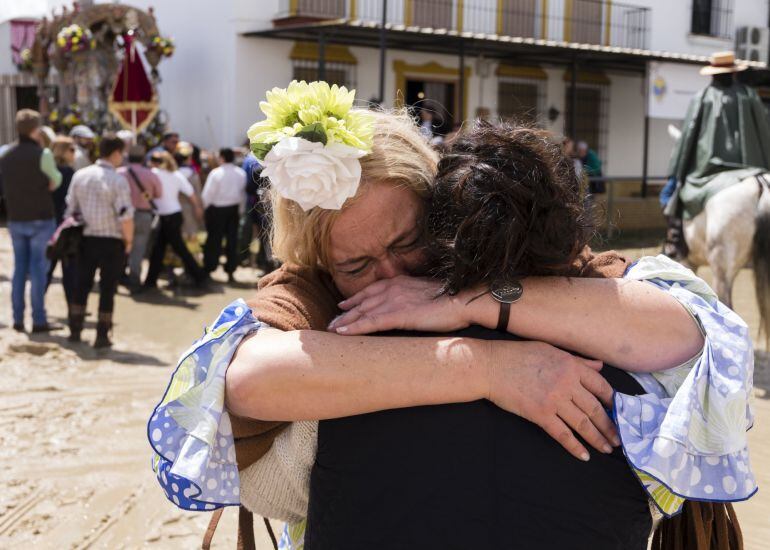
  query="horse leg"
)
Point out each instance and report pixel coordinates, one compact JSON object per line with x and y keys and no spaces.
{"x":723,"y":273}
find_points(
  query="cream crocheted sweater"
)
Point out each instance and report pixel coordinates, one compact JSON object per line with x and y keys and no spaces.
{"x":277,"y":485}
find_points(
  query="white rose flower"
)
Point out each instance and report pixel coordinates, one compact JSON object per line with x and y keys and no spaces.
{"x":313,"y":174}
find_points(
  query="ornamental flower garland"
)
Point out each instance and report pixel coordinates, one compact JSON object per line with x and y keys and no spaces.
{"x":75,"y":39}
{"x":163,"y":45}
{"x":311,"y":142}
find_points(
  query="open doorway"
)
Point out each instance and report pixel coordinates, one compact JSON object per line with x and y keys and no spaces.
{"x":438,"y":97}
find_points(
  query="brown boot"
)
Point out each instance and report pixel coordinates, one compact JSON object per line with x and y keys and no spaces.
{"x":103,"y":327}
{"x":76,"y":317}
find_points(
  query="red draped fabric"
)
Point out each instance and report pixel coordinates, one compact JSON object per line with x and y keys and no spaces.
{"x":133,"y":101}
{"x":22,"y":37}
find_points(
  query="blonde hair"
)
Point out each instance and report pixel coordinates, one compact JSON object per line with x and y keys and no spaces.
{"x":167,"y":163}
{"x":400,"y":157}
{"x":61,"y":145}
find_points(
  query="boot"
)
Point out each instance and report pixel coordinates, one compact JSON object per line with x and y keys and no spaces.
{"x":675,"y":246}
{"x":103,"y":327}
{"x":76,"y":317}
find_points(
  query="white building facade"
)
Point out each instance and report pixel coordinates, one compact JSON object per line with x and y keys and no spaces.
{"x":222,"y":67}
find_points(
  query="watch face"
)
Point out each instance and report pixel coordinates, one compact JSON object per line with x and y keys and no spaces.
{"x":508,"y":292}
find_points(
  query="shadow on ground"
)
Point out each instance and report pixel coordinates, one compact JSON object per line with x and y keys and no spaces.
{"x":85,"y":350}
{"x":177,"y":299}
{"x":762,"y":372}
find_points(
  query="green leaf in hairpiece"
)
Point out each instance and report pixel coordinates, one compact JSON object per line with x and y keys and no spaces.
{"x":261,"y":150}
{"x":313,"y":132}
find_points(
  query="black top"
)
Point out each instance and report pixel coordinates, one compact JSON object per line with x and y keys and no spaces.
{"x":467,"y":476}
{"x":26,"y":187}
{"x":60,"y":193}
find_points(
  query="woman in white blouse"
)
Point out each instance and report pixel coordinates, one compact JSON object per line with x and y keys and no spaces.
{"x":170,"y":211}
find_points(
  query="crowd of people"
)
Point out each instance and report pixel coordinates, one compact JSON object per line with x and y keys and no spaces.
{"x":105,"y":204}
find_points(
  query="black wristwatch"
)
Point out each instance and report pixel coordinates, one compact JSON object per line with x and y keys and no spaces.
{"x":505,"y":293}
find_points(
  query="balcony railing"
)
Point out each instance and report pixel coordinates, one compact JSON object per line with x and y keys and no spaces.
{"x":599,"y":22}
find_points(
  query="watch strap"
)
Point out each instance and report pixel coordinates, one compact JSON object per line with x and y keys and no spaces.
{"x":505,"y":315}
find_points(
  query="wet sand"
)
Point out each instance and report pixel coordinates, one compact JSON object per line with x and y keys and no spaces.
{"x":74,"y":459}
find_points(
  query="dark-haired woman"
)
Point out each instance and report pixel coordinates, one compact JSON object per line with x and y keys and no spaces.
{"x":440,"y":472}
{"x":502,"y":211}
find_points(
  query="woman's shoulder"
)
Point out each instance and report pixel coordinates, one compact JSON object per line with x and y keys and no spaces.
{"x":295,"y":298}
{"x":604,"y":265}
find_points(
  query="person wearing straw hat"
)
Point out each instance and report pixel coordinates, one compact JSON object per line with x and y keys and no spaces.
{"x":725,"y":130}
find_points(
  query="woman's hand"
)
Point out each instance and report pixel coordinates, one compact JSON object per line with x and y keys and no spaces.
{"x":403,"y":303}
{"x":555,"y":390}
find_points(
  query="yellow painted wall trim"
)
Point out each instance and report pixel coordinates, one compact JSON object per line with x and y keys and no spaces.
{"x":460,"y":15}
{"x":607,"y":22}
{"x":521,"y":71}
{"x":568,"y":20}
{"x":499,"y":19}
{"x":588,"y":77}
{"x":293,"y":7}
{"x":308,"y":51}
{"x":427,"y":71}
{"x":353,"y":9}
{"x":408,"y":12}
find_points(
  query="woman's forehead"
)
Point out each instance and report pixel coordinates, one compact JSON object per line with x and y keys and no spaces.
{"x":373,"y":222}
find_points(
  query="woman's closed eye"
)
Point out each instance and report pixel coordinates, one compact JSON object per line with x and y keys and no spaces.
{"x":357,"y":270}
{"x":401,"y":247}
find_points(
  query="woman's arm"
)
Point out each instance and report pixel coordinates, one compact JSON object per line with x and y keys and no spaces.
{"x":629,"y":324}
{"x":329,"y":376}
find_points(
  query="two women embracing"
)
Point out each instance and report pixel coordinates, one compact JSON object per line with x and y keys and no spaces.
{"x":442,"y":361}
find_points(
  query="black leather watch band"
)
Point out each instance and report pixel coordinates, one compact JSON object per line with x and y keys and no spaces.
{"x":505,"y":294}
{"x":505,"y":315}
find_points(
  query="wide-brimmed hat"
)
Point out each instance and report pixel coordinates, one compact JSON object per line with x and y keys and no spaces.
{"x":82,"y":131}
{"x":723,"y":62}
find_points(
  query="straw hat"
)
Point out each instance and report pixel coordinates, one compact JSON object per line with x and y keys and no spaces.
{"x":723,"y":62}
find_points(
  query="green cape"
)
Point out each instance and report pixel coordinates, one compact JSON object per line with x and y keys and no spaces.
{"x":725,"y":132}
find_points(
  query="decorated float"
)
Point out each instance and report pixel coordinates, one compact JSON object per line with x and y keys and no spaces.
{"x":101,"y":53}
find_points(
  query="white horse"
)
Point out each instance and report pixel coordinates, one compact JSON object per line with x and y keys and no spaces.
{"x":732,"y":230}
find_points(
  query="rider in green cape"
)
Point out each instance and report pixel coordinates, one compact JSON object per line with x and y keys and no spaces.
{"x":725,"y":138}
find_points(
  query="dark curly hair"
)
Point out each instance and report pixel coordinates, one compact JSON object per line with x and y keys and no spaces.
{"x":506,"y":204}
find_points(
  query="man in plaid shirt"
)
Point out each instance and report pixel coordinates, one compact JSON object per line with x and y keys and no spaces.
{"x":102,"y":199}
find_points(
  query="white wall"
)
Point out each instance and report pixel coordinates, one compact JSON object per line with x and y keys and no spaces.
{"x":625,"y":126}
{"x":6,"y":59}
{"x":671,"y":19}
{"x":198,"y":81}
{"x":262,"y":64}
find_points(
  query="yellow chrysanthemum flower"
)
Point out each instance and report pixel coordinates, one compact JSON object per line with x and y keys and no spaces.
{"x":315,"y":111}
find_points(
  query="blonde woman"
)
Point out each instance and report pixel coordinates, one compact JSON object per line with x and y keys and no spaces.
{"x":170,"y":212}
{"x":63,"y":149}
{"x":335,"y":243}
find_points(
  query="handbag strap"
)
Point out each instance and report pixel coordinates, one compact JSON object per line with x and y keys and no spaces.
{"x":245,"y":530}
{"x":211,"y":529}
{"x":145,"y":194}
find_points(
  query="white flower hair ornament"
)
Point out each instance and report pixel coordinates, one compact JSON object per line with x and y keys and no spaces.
{"x":311,"y":142}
